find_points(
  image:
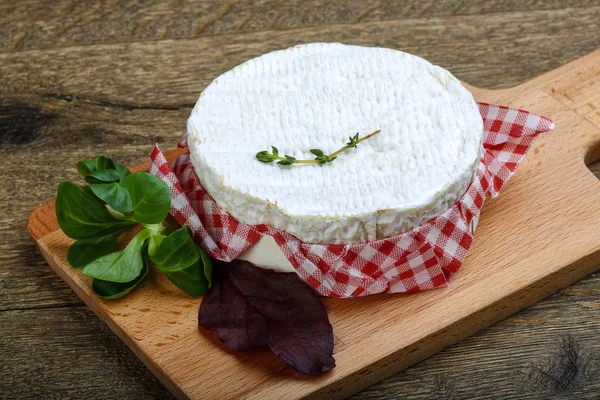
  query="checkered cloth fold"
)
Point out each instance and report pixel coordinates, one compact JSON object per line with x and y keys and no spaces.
{"x":423,"y":258}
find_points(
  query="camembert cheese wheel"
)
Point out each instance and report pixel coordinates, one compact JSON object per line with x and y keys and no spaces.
{"x":317,"y":96}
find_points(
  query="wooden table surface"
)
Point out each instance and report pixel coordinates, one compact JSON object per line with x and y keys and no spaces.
{"x":78,"y":79}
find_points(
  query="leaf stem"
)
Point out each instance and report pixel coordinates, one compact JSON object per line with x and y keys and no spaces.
{"x":155,"y":229}
{"x":299,"y":161}
{"x":265,"y":156}
{"x":336,"y":153}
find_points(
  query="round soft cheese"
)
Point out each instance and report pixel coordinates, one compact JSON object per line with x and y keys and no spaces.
{"x":316,"y":96}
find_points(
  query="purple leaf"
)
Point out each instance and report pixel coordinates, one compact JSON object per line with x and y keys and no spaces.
{"x":225,"y":312}
{"x":254,"y":307}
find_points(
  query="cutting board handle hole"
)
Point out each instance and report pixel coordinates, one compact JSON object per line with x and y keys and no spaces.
{"x":592,"y":159}
{"x":593,"y":154}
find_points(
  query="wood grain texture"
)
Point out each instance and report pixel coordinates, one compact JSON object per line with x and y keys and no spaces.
{"x":379,"y":335}
{"x":57,"y":107}
{"x":170,"y":74}
{"x":39,"y":358}
{"x":66,"y":23}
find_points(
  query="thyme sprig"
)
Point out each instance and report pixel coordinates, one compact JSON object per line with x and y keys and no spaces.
{"x":320,"y":156}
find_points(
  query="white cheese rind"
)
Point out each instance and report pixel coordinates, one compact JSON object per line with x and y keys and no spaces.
{"x":267,"y":253}
{"x":315,"y":96}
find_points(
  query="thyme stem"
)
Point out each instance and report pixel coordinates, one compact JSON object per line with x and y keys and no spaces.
{"x":370,"y":135}
{"x":321,"y":157}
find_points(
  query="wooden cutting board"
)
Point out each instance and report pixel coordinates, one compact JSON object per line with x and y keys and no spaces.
{"x":539,"y":236}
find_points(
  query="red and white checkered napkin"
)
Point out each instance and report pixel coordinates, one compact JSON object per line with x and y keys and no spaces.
{"x":423,"y":258}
